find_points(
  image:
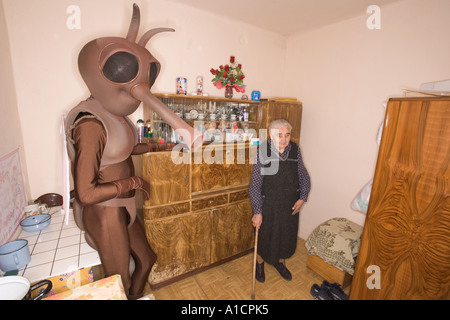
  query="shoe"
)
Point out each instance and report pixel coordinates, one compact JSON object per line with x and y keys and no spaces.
{"x":284,"y":272}
{"x":260,"y":275}
{"x":321,"y":293}
{"x":335,"y":290}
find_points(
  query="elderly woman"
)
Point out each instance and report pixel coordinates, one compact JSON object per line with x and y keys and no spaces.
{"x":279,"y":186}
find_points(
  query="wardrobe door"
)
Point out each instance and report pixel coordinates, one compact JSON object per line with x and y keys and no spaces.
{"x":405,"y":245}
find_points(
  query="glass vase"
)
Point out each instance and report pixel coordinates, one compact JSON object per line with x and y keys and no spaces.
{"x":229,"y":92}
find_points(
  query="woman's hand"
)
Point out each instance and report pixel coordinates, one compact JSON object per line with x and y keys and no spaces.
{"x":297,"y":206}
{"x":257,"y":220}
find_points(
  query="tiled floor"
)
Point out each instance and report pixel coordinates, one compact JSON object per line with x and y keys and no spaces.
{"x":57,"y":249}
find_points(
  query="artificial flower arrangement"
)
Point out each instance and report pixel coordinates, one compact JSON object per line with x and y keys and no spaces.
{"x":230,"y":75}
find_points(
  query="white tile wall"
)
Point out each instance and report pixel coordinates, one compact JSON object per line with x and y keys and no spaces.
{"x":57,"y":249}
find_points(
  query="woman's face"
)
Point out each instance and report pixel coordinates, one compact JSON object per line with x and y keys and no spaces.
{"x":281,"y":137}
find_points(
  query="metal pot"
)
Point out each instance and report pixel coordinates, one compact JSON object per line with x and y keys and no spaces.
{"x":18,"y":288}
{"x":14,"y":255}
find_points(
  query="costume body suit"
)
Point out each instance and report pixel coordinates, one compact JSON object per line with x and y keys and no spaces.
{"x":107,"y":218}
{"x":100,"y":141}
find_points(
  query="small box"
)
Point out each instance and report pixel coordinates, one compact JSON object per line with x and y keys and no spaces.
{"x":328,"y":272}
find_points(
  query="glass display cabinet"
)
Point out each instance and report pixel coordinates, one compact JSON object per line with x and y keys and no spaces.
{"x":199,"y":212}
{"x":221,"y":119}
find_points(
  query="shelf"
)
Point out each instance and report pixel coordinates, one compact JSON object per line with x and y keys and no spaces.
{"x":208,"y":120}
{"x":204,"y":98}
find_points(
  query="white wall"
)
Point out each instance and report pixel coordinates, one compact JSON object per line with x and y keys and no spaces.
{"x":10,"y":127}
{"x":45,"y":72}
{"x":343,"y":73}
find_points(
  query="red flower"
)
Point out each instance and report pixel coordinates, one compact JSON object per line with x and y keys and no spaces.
{"x":229,"y":75}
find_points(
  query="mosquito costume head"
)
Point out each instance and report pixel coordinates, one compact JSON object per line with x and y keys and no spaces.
{"x":112,"y":66}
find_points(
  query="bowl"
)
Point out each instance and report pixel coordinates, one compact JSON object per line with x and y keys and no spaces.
{"x":14,"y":255}
{"x":36,"y":223}
{"x":51,"y":199}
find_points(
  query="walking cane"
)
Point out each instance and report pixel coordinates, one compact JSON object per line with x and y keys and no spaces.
{"x":254,"y":264}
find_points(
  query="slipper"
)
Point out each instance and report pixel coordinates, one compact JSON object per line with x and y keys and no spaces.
{"x":335,"y":290}
{"x":320,"y":293}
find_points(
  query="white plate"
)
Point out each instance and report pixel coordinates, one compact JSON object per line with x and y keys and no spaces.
{"x":194,"y":114}
{"x":13,"y":287}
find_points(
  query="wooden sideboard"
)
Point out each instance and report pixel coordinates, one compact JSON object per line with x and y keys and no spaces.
{"x":405,"y":245}
{"x":199,"y":211}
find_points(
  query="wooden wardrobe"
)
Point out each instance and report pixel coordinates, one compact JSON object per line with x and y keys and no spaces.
{"x":405,"y":245}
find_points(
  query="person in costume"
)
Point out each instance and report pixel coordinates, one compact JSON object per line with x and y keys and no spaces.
{"x":278,"y":188}
{"x":119,"y":73}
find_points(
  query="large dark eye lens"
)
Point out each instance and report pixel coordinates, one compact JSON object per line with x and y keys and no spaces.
{"x":153,"y":73}
{"x":121,"y":67}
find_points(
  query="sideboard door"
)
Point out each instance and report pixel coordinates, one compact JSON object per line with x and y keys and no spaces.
{"x":169,"y":180}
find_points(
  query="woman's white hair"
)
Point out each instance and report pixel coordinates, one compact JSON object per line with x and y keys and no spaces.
{"x":279,"y":123}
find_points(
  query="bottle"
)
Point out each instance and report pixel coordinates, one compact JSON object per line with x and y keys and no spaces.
{"x":223,"y":129}
{"x":148,"y":130}
{"x":140,"y":129}
{"x":240,"y":114}
{"x":245,"y":114}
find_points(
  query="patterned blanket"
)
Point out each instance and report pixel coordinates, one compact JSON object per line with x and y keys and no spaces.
{"x":336,"y":241}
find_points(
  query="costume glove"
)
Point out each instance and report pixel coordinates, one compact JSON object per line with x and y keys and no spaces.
{"x":126,"y":185}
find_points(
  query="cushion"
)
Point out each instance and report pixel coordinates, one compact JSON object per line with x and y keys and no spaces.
{"x":336,"y":241}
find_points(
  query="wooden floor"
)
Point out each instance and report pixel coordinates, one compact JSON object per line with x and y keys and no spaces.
{"x":233,"y":281}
